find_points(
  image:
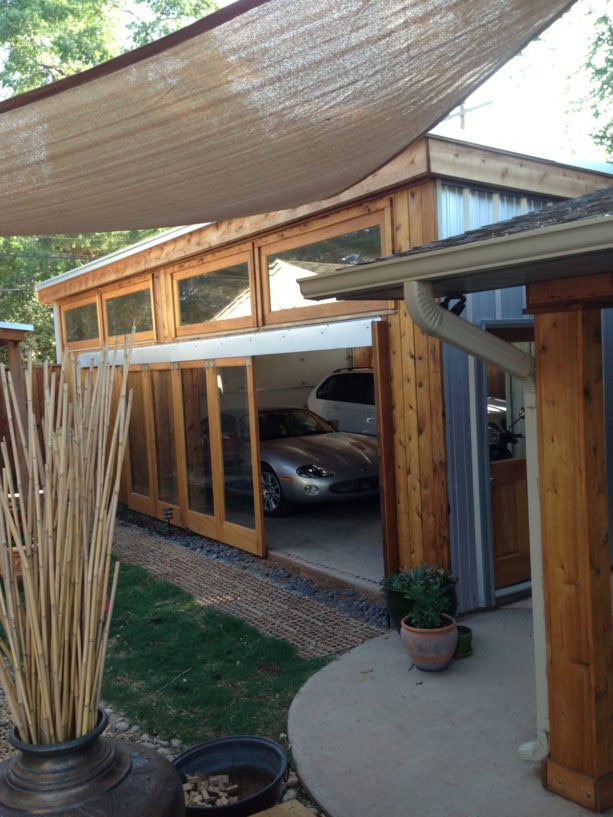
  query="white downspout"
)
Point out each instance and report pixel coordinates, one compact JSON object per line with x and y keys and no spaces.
{"x":440,"y":323}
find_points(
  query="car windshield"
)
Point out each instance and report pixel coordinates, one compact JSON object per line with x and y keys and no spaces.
{"x":278,"y":424}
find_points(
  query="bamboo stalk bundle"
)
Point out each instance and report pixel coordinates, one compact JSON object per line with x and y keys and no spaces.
{"x":60,"y":477}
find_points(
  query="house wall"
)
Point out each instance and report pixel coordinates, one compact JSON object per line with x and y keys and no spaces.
{"x":462,"y":208}
{"x":436,"y":188}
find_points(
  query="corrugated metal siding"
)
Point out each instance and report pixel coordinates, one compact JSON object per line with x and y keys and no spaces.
{"x":460,"y":209}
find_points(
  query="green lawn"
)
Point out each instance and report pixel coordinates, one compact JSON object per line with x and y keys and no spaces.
{"x":182,"y":670}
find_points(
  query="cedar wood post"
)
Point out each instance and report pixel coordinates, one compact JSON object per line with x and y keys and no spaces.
{"x":576,"y":558}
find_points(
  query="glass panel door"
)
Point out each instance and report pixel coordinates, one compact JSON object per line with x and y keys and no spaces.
{"x":163,"y":416}
{"x":222,"y":452}
{"x":199,"y":469}
{"x":233,"y":397}
{"x":138,"y":443}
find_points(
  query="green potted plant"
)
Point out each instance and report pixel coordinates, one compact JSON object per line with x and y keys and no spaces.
{"x":397,"y":585}
{"x":428,"y":632}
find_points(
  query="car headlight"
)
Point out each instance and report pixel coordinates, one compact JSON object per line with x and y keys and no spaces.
{"x":315,"y":471}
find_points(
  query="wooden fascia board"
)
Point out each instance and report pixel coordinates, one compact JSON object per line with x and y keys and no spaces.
{"x":474,"y":164}
{"x":8,"y":335}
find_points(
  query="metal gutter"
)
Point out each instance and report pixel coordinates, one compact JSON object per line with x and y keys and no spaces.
{"x":514,"y":257}
{"x":440,"y":323}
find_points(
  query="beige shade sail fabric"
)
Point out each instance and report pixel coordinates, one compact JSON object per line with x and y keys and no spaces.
{"x":264,"y":105}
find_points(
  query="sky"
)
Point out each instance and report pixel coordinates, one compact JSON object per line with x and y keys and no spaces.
{"x":532,"y":104}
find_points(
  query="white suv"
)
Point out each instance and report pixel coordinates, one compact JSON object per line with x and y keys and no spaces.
{"x":346,"y":398}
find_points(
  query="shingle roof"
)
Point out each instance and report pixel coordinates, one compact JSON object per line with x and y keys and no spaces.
{"x":592,"y":205}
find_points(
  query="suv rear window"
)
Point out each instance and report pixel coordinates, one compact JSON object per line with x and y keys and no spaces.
{"x":348,"y":387}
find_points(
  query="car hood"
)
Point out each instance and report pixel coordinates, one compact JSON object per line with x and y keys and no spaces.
{"x":331,"y":450}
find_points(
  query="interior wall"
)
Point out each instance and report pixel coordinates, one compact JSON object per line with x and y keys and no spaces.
{"x":286,"y":379}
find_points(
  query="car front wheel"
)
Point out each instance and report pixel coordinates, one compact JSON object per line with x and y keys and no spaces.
{"x":275,"y":504}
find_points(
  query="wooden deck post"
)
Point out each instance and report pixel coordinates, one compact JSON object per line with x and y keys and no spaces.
{"x":576,"y":556}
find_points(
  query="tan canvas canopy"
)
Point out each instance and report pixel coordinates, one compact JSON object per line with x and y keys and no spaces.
{"x":263,"y":105}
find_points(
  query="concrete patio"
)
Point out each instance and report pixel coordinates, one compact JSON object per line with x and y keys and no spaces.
{"x":372,"y":736}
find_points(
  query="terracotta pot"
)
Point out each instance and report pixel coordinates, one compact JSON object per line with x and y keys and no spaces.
{"x":89,"y":775}
{"x":430,"y":650}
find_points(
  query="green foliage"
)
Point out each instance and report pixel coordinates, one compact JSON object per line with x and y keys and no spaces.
{"x":25,"y":261}
{"x":42,"y":41}
{"x":184,"y":670}
{"x":600,"y":67}
{"x":165,"y":16}
{"x":428,"y":603}
{"x":408,"y":577}
{"x":429,"y":588}
{"x":45,"y":40}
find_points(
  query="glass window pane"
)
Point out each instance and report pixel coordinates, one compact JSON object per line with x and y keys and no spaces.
{"x":215,"y":296}
{"x":285,"y":268}
{"x":139,"y":471}
{"x":125,"y":311}
{"x":236,"y":444}
{"x":164,"y":436}
{"x":81,"y":323}
{"x":197,"y":442}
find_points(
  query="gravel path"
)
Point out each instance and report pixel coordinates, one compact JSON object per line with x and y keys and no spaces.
{"x":346,"y":601}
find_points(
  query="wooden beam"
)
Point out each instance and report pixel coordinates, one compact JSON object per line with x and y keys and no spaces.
{"x":571,"y":293}
{"x":576,"y":559}
{"x":385,"y":427}
{"x":511,"y":171}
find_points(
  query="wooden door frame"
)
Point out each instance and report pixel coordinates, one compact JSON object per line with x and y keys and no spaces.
{"x":512,"y":330}
{"x":218,"y":527}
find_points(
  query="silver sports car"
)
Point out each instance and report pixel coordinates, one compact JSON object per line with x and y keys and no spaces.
{"x":305,"y":460}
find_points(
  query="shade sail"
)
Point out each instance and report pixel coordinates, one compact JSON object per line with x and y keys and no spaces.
{"x":262,"y":106}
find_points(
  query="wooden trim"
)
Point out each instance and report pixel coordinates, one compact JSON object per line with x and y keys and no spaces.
{"x":313,"y":232}
{"x":422,"y":214}
{"x":401,"y":237}
{"x":140,"y":285}
{"x":596,"y":795}
{"x":136,"y":501}
{"x":254,"y":431}
{"x":570,"y":293}
{"x":475,"y":164}
{"x":326,"y":225}
{"x":13,"y":335}
{"x":211,"y":257}
{"x":385,"y":435}
{"x":164,"y":322}
{"x":178,"y":417}
{"x":204,"y":267}
{"x":75,"y":303}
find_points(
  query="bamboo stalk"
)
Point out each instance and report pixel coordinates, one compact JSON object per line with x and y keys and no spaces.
{"x":58,"y":513}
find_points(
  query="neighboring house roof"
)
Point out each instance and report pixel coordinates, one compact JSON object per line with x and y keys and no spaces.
{"x":5,"y":326}
{"x":568,"y":239}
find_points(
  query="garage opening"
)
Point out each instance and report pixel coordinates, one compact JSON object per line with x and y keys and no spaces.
{"x":338,"y":537}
